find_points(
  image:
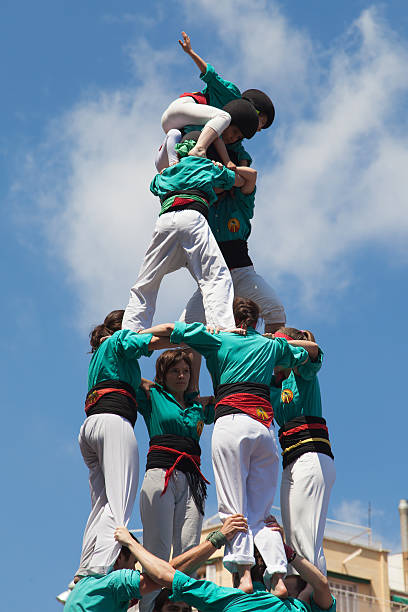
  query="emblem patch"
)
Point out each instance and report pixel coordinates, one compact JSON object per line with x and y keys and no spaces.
{"x":286,"y":396}
{"x":261,"y":414}
{"x":200,"y":427}
{"x":233,"y":225}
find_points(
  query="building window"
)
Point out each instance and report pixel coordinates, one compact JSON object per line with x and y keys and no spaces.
{"x":211,"y":572}
{"x":346,"y":596}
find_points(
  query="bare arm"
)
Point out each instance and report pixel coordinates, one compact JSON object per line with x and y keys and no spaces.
{"x":311,"y":347}
{"x":189,"y":561}
{"x":185,"y":44}
{"x":161,"y":330}
{"x":159,"y":571}
{"x":318,"y":582}
{"x":249,"y":175}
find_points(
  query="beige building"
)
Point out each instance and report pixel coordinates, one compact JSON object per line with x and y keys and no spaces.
{"x":363,"y":576}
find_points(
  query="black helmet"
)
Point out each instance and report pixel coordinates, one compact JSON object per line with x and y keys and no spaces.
{"x":244,"y":116}
{"x":262,"y":103}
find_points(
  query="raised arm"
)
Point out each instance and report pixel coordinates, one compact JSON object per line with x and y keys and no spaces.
{"x":185,"y":44}
{"x":310,"y":574}
{"x":160,"y":571}
{"x":319,"y":583}
{"x":189,"y":561}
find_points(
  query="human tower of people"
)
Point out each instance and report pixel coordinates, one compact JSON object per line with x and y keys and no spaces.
{"x":207,"y":190}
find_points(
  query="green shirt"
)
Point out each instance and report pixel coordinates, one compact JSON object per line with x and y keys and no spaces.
{"x":117,"y":358}
{"x":192,"y":173}
{"x":110,"y":593}
{"x":209,"y":597}
{"x":164,"y":415}
{"x":304,"y":385}
{"x":229,"y":218}
{"x":219,"y":92}
{"x":233,"y":358}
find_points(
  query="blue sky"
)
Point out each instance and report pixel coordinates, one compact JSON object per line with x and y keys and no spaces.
{"x":84,"y":86}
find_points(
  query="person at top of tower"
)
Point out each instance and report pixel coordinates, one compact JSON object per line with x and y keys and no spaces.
{"x":227,"y":116}
{"x":182,"y":237}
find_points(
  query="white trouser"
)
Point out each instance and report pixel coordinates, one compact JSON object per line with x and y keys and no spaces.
{"x":247,"y":284}
{"x":109,"y":448}
{"x":182,"y":238}
{"x":245,"y":462}
{"x":172,"y":519}
{"x":185,"y":111}
{"x":166,"y":155}
{"x":305,"y":492}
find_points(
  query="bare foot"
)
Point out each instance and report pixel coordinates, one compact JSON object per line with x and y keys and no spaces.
{"x":245,"y":581}
{"x":198,"y":152}
{"x":278,"y":587}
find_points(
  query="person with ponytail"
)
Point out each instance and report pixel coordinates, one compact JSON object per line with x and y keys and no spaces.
{"x":244,"y":450}
{"x":107,"y":440}
{"x":174,"y":489}
{"x":308,"y":466}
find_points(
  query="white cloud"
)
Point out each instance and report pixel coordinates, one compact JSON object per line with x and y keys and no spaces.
{"x":337,"y":181}
{"x":353,"y":511}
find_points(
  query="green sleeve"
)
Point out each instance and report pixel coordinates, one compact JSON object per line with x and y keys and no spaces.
{"x":289,"y":356}
{"x":132,"y":345}
{"x":242,"y":153}
{"x":202,"y":594}
{"x":154,"y":186}
{"x":144,"y":405}
{"x":223,"y":177}
{"x":126,"y":584}
{"x":196,"y":336}
{"x":309,"y":370}
{"x":209,"y":414}
{"x":221,"y":87}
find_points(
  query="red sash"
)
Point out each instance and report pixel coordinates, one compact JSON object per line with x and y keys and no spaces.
{"x":197,"y":96}
{"x":195,"y":459}
{"x":95,"y":396}
{"x":254,"y":406}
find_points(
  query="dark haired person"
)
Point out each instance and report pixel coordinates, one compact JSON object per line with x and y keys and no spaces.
{"x":163,"y":603}
{"x":223,"y":114}
{"x":182,"y":238}
{"x":209,"y":597}
{"x":244,"y":450}
{"x":112,"y":593}
{"x":107,"y":593}
{"x":308,"y":464}
{"x":230,"y":221}
{"x":172,"y":497}
{"x":107,"y":440}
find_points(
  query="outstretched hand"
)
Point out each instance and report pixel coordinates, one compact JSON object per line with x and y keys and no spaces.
{"x":233,"y":524}
{"x":185,"y":44}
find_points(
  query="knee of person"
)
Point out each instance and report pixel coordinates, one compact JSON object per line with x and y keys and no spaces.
{"x":226,"y":116}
